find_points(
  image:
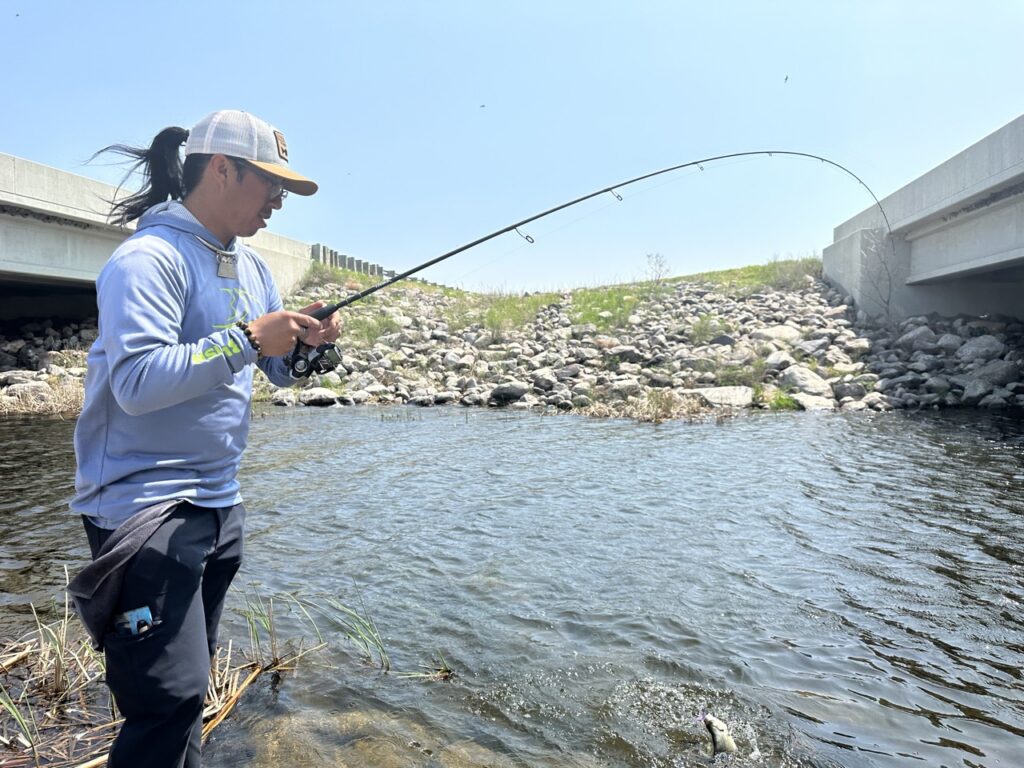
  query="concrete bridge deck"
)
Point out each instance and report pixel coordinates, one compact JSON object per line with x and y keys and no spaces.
{"x":54,"y":239}
{"x":957,"y":244}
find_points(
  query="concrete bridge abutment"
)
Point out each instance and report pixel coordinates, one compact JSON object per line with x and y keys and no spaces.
{"x":956,"y":245}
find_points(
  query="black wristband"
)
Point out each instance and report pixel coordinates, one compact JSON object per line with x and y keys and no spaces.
{"x":252,"y":341}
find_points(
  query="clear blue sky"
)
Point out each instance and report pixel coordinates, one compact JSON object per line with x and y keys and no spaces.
{"x":429,"y":124}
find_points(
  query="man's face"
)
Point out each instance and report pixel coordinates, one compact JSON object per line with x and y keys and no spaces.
{"x":254,"y":199}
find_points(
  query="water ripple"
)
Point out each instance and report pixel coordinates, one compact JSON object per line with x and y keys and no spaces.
{"x":843,"y":591}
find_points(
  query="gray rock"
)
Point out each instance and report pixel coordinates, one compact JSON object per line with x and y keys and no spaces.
{"x":658,"y":379}
{"x":544,"y":379}
{"x":949,"y":343}
{"x":30,"y":390}
{"x":626,"y":353}
{"x":569,"y":372}
{"x":854,"y":405}
{"x":784,"y":333}
{"x":812,"y":346}
{"x":318,"y":396}
{"x":921,"y":337}
{"x":877,"y":401}
{"x":813,"y":402}
{"x":993,"y":402}
{"x":852,"y":389}
{"x":484,"y":340}
{"x":16,"y":377}
{"x":981,"y":348}
{"x":806,"y":381}
{"x":856,"y":347}
{"x":509,"y":392}
{"x":330,"y":379}
{"x":283,"y":397}
{"x":724,"y":397}
{"x":975,"y":390}
{"x":998,"y":372}
{"x":939,"y":385}
{"x":780,"y":360}
{"x":624,"y":388}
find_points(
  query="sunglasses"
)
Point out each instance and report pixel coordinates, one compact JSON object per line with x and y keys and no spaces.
{"x":276,"y":190}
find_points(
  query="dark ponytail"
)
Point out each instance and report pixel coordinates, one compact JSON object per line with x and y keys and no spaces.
{"x":162,"y":171}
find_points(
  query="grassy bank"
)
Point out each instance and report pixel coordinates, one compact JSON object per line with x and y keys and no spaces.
{"x":503,"y":315}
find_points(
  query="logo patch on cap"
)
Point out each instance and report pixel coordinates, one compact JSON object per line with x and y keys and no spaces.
{"x":282,"y":145}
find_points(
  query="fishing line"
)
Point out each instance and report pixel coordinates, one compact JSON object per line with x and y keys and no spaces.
{"x":613,"y":190}
{"x":542,"y":236}
{"x":571,"y":222}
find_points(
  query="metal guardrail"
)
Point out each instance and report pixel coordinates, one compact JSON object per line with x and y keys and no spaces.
{"x":330,"y":257}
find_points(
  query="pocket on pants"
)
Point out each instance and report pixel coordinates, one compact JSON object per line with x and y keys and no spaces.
{"x":131,"y":663}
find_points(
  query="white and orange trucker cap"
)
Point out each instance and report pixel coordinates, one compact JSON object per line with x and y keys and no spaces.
{"x":238,"y":134}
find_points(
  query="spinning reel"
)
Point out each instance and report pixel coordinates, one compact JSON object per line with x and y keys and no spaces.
{"x":304,"y":361}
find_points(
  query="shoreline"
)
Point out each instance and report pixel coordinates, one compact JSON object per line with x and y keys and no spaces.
{"x":651,"y":351}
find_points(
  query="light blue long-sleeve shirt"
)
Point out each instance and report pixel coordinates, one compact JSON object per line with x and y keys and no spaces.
{"x":169,"y":382}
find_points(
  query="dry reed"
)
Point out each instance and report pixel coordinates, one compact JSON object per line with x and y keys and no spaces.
{"x":56,"y":710}
{"x":657,"y":406}
{"x":65,"y":398}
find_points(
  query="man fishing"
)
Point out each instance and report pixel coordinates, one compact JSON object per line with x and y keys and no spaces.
{"x":185,"y":313}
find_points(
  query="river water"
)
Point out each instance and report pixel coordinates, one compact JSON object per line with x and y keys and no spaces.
{"x":841,"y":590}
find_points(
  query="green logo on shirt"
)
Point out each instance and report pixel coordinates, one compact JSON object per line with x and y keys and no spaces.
{"x":240,"y":304}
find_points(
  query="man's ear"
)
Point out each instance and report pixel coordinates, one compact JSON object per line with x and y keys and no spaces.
{"x":220,"y":169}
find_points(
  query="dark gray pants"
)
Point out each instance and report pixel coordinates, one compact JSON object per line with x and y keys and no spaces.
{"x":159,"y":678}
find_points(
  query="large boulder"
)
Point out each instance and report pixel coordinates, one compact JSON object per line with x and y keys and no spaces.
{"x":509,"y":392}
{"x":813,"y":402}
{"x":38,"y":391}
{"x":318,"y":396}
{"x":975,"y":390}
{"x":920,"y":338}
{"x":981,"y":348}
{"x":804,"y":380}
{"x":998,"y":372}
{"x":725,"y":397}
{"x":625,"y":387}
{"x":16,"y":377}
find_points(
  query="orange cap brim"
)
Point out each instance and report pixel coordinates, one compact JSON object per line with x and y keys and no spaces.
{"x":292,"y":181}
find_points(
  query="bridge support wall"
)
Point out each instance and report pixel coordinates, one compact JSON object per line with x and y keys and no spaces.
{"x":957,"y":243}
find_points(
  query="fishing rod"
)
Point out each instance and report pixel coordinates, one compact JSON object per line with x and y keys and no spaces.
{"x":305,"y":360}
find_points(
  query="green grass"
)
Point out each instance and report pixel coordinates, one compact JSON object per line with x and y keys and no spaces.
{"x":751,"y":375}
{"x":496,"y":312}
{"x":782,"y":401}
{"x":363,"y":330}
{"x":318,"y":274}
{"x":780,"y":274}
{"x":508,"y":311}
{"x":607,"y":308}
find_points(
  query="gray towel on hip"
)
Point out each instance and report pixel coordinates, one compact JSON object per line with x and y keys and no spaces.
{"x":96,"y":589}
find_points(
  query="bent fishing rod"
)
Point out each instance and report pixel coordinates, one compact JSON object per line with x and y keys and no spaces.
{"x":326,"y":357}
